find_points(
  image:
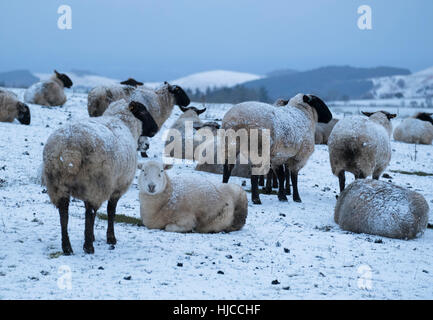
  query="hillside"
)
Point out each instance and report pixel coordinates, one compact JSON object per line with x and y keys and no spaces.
{"x":17,"y":78}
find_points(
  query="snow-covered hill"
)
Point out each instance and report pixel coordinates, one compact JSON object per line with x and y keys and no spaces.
{"x":418,"y":84}
{"x":83,"y":82}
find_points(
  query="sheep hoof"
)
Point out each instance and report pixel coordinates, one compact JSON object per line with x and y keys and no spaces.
{"x":67,"y":249}
{"x":111,"y":240}
{"x":88,"y":248}
{"x":257,"y":201}
{"x":297,"y":200}
{"x":282,"y":197}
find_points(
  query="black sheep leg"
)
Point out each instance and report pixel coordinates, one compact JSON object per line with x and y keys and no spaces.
{"x":262,"y":181}
{"x":111,"y":213}
{"x":255,"y":190}
{"x":88,"y":231}
{"x":287,"y":174}
{"x":342,"y":180}
{"x":281,"y":177}
{"x":227,"y":172}
{"x":63,"y":207}
{"x":294,"y":176}
{"x":268,"y":187}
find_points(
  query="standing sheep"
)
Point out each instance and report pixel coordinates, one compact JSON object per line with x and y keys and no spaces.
{"x":323,"y":131}
{"x":361,"y":146}
{"x":381,"y":208}
{"x":99,"y":98}
{"x":291,"y":131}
{"x":418,"y":129}
{"x":189,"y":203}
{"x":50,"y":92}
{"x":95,"y":160}
{"x":11,"y":108}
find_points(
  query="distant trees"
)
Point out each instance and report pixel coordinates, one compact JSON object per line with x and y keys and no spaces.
{"x":235,"y":94}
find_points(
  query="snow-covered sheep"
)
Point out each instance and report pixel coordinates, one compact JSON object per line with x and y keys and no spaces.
{"x":11,"y":108}
{"x":383,"y":209}
{"x":418,"y":129}
{"x":95,"y":160}
{"x":291,"y":131}
{"x":49,"y":92}
{"x":186,"y":203}
{"x":361,"y":146}
{"x":99,"y":98}
{"x":323,"y":131}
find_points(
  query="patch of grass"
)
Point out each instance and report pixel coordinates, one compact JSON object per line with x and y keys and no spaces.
{"x":121,"y":218}
{"x":414,"y":173}
{"x":55,"y":255}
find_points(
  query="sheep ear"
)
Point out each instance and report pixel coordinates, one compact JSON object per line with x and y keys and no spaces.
{"x":306,"y":99}
{"x":149,"y":126}
{"x":182,"y":99}
{"x":365,"y":113}
{"x":184,"y":109}
{"x":57,"y":74}
{"x":391,"y":116}
{"x":199,"y":112}
{"x":132,"y":82}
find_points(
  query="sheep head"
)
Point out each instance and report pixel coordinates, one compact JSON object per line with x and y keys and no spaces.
{"x":67,"y":82}
{"x":153,"y":179}
{"x":197,"y":111}
{"x":149,"y":126}
{"x":132,"y":82}
{"x":424,"y":116}
{"x":388,"y":115}
{"x":23,"y":113}
{"x":323,"y":112}
{"x":182,"y":99}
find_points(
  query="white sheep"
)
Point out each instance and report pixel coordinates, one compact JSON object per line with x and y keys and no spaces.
{"x":186,"y":203}
{"x":323,"y":131}
{"x":361,"y":146}
{"x":381,"y":208}
{"x":291,"y":129}
{"x":11,"y":108}
{"x":418,"y":129}
{"x":95,"y":160}
{"x":99,"y":98}
{"x":49,"y":92}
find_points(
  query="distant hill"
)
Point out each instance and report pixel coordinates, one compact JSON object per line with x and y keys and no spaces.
{"x":331,"y":83}
{"x":281,"y":72}
{"x":17,"y":79}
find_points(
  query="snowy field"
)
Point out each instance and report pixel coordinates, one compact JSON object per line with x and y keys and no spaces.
{"x":297,"y":244}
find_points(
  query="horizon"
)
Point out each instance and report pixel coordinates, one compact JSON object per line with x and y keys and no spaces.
{"x":156,"y":41}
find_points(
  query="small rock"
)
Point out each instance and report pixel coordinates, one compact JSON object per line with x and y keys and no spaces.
{"x":127,"y":278}
{"x":44,"y":273}
{"x":278,"y":244}
{"x":378,"y":241}
{"x":321,"y":274}
{"x":180,"y":264}
{"x":244,"y":183}
{"x":275,"y":282}
{"x":425,"y":271}
{"x":282,"y":215}
{"x":220,"y":272}
{"x":101,"y":268}
{"x":286,"y":250}
{"x":229,"y":256}
{"x":286,"y":288}
{"x":26,"y":153}
{"x":386,"y":176}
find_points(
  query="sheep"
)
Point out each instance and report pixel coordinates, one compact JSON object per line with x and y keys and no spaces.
{"x":418,"y":129}
{"x":291,"y":131}
{"x":323,"y":130}
{"x":361,"y":146}
{"x":50,"y":92}
{"x":381,"y":208}
{"x":11,"y":108}
{"x":187,"y":203}
{"x":95,"y":160}
{"x":99,"y":98}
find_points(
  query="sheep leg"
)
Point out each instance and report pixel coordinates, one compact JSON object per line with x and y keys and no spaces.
{"x":342,"y":180}
{"x":111,"y":213}
{"x":274,"y":180}
{"x":287,"y":174}
{"x":227,"y":172}
{"x":88,"y":231}
{"x":294,"y":177}
{"x":281,"y":178}
{"x":255,"y":190}
{"x":63,"y":207}
{"x":268,"y":187}
{"x":262,"y":181}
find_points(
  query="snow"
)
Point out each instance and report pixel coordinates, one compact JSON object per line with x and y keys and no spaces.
{"x":86,"y":82}
{"x":322,"y":261}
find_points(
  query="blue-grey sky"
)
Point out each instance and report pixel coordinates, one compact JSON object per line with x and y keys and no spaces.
{"x":165,"y":39}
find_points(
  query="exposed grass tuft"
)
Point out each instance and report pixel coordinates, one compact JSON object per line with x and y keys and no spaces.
{"x":414,"y":173}
{"x":121,"y":218}
{"x":55,"y":255}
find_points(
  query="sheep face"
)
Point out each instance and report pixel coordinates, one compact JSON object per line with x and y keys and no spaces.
{"x":323,"y":113}
{"x":423,"y":116}
{"x":23,"y":113}
{"x":153,"y":179}
{"x":67,"y":82}
{"x":197,"y":111}
{"x":132,"y":82}
{"x":182,"y":99}
{"x":150,"y":127}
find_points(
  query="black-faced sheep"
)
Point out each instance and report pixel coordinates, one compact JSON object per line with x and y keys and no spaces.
{"x":99,"y":98}
{"x":418,"y":129}
{"x":361,"y":146}
{"x":189,"y":202}
{"x":11,"y":108}
{"x":95,"y":160}
{"x":381,"y":208}
{"x":291,"y":131}
{"x":50,"y":92}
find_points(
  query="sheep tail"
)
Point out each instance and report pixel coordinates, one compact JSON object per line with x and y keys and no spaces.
{"x":71,"y":161}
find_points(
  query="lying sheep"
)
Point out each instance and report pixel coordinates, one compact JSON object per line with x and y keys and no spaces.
{"x":186,"y":203}
{"x":383,"y":209}
{"x":418,"y":129}
{"x":50,"y":92}
{"x":361,"y":146}
{"x":11,"y":108}
{"x":291,"y":132}
{"x":95,"y":160}
{"x":323,"y":131}
{"x":99,"y":98}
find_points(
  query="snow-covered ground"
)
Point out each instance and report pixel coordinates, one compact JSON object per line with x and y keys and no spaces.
{"x":297,"y":244}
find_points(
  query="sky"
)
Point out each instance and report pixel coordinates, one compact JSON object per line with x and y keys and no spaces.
{"x":156,"y":40}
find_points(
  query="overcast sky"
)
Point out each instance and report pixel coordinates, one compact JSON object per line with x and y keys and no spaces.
{"x":165,"y":39}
